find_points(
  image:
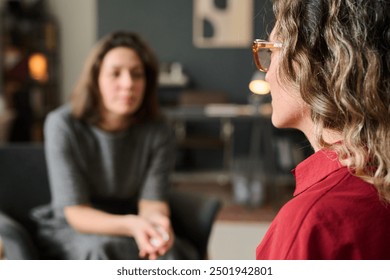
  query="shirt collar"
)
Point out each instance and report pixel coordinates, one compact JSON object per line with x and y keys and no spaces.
{"x":314,"y":169}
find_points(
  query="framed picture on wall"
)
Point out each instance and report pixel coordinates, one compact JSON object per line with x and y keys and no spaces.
{"x":223,"y":23}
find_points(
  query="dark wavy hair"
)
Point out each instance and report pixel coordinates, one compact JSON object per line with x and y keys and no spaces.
{"x":337,"y":54}
{"x":85,"y":97}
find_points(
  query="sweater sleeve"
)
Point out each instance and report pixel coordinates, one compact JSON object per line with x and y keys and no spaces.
{"x":67,"y":183}
{"x":160,"y":164}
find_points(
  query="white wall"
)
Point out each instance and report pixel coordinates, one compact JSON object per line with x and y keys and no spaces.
{"x":77,"y":23}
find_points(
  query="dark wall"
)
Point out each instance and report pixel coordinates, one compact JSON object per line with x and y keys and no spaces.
{"x":167,"y":26}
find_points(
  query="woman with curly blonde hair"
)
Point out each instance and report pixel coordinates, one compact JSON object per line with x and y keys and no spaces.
{"x":329,"y":68}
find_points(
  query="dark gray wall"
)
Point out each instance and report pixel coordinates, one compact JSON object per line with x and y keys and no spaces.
{"x":167,"y":26}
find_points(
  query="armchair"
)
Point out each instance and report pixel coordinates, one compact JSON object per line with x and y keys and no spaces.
{"x":24,"y":185}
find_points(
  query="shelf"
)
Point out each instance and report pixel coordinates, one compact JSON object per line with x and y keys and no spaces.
{"x":29,"y":70}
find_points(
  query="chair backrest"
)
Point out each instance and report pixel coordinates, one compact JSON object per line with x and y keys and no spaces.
{"x":193,"y":216}
{"x":23,"y":180}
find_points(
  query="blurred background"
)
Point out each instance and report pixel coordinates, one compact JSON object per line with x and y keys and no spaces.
{"x":227,"y":145}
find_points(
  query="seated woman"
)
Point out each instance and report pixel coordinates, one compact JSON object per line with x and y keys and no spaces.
{"x":109,"y":158}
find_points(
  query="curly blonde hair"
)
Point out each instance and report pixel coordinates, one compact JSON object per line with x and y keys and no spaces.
{"x":337,"y":54}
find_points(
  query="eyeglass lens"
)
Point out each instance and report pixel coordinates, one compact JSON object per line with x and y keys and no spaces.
{"x":264,"y":57}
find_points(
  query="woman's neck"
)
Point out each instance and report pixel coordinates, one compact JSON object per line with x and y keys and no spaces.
{"x":112,"y":123}
{"x":330,"y":136}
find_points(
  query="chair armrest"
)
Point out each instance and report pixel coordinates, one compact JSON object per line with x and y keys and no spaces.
{"x":193,"y":215}
{"x":17,"y":242}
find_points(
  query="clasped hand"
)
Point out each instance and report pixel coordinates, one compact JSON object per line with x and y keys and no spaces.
{"x":154,"y":235}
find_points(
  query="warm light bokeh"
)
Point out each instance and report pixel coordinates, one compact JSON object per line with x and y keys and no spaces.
{"x":37,"y":65}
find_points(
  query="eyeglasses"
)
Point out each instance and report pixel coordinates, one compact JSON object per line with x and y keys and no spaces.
{"x":262,"y":53}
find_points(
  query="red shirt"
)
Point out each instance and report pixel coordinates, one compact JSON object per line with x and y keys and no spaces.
{"x":333,"y":215}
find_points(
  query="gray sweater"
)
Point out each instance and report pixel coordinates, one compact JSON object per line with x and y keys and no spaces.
{"x":89,"y":165}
